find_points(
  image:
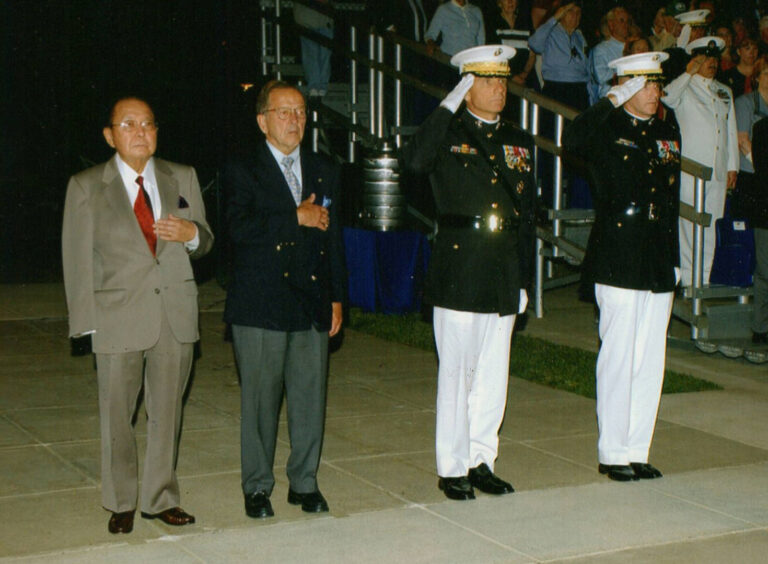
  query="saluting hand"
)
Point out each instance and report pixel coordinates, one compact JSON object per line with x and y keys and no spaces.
{"x":695,"y":64}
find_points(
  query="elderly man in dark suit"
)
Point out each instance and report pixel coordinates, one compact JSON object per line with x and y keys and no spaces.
{"x":285,"y":296}
{"x":130,"y":227}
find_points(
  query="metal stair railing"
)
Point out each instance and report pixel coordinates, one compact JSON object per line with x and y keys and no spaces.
{"x":531,"y":105}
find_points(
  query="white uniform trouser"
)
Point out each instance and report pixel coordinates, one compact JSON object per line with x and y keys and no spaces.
{"x":630,"y":370}
{"x":473,"y":352}
{"x":714,"y":203}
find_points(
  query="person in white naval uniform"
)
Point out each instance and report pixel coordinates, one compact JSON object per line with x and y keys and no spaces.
{"x":705,"y":111}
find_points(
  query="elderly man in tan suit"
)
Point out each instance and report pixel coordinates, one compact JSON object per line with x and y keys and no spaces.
{"x":130,"y":227}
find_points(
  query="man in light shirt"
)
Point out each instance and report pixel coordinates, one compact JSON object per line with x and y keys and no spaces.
{"x":458,"y":25}
{"x":600,"y":75}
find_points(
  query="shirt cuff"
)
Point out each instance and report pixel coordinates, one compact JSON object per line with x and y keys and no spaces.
{"x":194,"y":242}
{"x":84,"y":333}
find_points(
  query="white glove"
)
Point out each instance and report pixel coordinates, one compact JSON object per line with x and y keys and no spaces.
{"x":684,"y":37}
{"x":623,"y":92}
{"x":456,"y":96}
{"x":678,"y":275}
{"x":523,"y":301}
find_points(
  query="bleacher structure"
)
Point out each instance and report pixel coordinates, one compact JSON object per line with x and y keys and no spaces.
{"x":718,"y":316}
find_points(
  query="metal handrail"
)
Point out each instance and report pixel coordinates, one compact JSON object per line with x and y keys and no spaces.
{"x":531,"y":104}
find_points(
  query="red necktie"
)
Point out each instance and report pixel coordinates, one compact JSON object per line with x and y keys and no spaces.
{"x":142,"y":207}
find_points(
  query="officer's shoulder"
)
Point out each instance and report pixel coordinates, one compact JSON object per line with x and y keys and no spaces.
{"x":665,"y":129}
{"x":514,"y":134}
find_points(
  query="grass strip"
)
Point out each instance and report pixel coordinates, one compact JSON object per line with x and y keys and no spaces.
{"x":557,"y":366}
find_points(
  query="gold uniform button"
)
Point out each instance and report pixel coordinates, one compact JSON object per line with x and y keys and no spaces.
{"x":650,"y":151}
{"x":618,"y":224}
{"x":489,"y":135}
{"x":643,"y":133}
{"x":278,"y":247}
{"x":494,"y":180}
{"x":494,"y":205}
{"x":492,"y":157}
{"x":653,"y":190}
{"x":313,"y":277}
{"x":466,"y":165}
{"x":650,"y":171}
{"x":285,"y":275}
{"x":455,"y":246}
{"x":626,"y":157}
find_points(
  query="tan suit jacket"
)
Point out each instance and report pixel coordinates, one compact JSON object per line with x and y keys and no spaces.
{"x":114,"y":285}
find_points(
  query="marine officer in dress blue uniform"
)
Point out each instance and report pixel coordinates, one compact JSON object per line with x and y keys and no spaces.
{"x":632,"y":160}
{"x":482,"y":176}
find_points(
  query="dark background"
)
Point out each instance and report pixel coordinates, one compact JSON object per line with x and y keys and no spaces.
{"x":65,"y":61}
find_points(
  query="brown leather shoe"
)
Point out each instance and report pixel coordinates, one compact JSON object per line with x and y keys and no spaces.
{"x":121,"y":522}
{"x":175,"y":516}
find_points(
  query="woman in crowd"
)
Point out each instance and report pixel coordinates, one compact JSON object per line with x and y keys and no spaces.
{"x":635,"y":45}
{"x":737,"y":78}
{"x":506,"y":26}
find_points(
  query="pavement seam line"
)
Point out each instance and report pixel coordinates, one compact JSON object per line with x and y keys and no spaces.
{"x":55,"y":454}
{"x":423,"y":507}
{"x":649,"y":546}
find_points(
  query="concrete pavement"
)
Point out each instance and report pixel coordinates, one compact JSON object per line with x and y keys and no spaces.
{"x":378,"y":461}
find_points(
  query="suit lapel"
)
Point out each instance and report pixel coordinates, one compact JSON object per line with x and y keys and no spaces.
{"x":116,"y":198}
{"x":168,"y":188}
{"x":270,"y":171}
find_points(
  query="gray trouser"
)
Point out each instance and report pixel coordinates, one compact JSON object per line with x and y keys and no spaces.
{"x":760,"y":311}
{"x":269,"y":361}
{"x":164,"y":371}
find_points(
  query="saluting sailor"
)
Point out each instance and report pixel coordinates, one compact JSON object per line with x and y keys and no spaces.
{"x":632,"y":160}
{"x":707,"y":118}
{"x":482,"y":174}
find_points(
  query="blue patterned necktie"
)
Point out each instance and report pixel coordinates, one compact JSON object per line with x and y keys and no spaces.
{"x":293,"y":182}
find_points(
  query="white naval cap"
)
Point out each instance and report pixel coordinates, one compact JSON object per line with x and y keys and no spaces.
{"x":711,"y":46}
{"x":641,"y":64}
{"x":486,"y":60}
{"x":694,"y":18}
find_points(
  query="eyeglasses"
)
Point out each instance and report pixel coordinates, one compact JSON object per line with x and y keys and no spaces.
{"x":286,"y":112}
{"x":130,"y":126}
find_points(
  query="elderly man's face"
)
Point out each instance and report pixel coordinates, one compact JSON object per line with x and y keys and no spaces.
{"x":619,"y":24}
{"x":132,"y":133}
{"x":571,"y":19}
{"x":645,"y":102}
{"x":284,"y":119}
{"x":487,"y":96}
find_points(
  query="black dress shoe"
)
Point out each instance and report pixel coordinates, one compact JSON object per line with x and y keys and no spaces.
{"x":645,"y":471}
{"x":486,"y":481}
{"x":618,"y":472}
{"x":258,"y":506}
{"x":760,"y":338}
{"x":175,"y":516}
{"x":121,"y":522}
{"x":456,"y":488}
{"x":312,"y":502}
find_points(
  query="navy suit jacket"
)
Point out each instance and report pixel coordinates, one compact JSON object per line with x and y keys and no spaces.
{"x":284,"y":276}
